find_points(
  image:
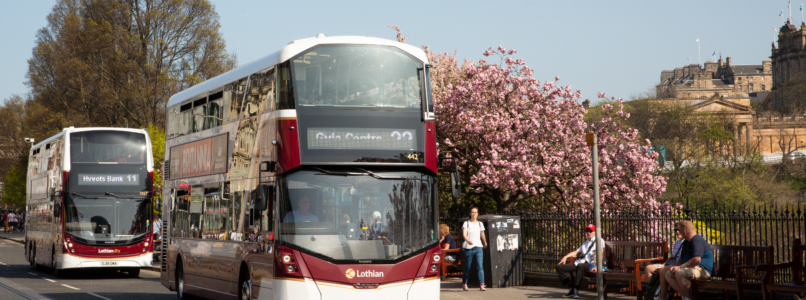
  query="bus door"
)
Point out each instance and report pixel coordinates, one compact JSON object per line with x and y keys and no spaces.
{"x":262,"y":262}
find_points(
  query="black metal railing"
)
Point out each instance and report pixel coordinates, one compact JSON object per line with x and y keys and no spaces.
{"x":548,"y":236}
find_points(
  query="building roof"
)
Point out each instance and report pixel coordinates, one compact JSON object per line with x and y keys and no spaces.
{"x":746,"y":69}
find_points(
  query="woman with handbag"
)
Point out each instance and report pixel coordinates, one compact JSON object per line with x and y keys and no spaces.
{"x":474,"y":242}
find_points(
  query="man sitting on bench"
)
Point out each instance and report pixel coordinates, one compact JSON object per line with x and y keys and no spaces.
{"x":585,"y":261}
{"x":696,"y":261}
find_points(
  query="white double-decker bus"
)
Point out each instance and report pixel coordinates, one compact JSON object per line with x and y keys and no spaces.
{"x":307,"y":174}
{"x":89,"y":200}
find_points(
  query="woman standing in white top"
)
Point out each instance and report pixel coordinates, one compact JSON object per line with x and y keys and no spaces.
{"x":471,"y":247}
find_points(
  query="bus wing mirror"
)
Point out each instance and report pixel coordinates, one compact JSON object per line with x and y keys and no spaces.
{"x":262,"y":197}
{"x":456,"y":185}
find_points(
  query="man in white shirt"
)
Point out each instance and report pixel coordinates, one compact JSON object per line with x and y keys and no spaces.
{"x":572,"y":275}
{"x":301,"y":214}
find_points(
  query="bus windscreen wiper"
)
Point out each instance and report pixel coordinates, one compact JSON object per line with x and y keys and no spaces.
{"x":111,"y":194}
{"x":82,"y":196}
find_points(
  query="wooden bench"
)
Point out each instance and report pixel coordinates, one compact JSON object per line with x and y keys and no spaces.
{"x":626,"y":261}
{"x":446,"y":264}
{"x":734,"y":269}
{"x":795,"y":283}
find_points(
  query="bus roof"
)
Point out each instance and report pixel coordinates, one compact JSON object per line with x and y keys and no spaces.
{"x":80,"y":129}
{"x":286,"y":53}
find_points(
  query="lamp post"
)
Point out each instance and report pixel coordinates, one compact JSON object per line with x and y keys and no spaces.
{"x":30,"y":140}
{"x":592,"y":142}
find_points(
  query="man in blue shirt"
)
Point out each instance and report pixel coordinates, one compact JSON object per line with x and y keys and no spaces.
{"x":696,"y":261}
{"x":301,"y":214}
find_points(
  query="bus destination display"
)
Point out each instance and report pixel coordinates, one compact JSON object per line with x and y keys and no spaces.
{"x":362,"y":138}
{"x":109,"y":179}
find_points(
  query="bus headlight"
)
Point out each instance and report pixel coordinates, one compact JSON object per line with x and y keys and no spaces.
{"x":433,"y":268}
{"x":437,"y":257}
{"x":72,"y":250}
{"x":286,"y":258}
{"x":70,"y":245}
{"x":146,"y":244}
{"x":290,"y":268}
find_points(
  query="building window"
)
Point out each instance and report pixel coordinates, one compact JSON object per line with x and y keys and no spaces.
{"x":763,"y":87}
{"x":750,"y":88}
{"x":750,"y":78}
{"x":762,"y":77}
{"x":740,"y":89}
{"x":740,"y":79}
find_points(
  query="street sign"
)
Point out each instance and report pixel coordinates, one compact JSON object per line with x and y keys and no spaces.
{"x":589,"y":139}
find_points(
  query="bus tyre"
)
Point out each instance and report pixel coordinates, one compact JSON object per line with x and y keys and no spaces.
{"x":180,"y":281}
{"x":35,"y":263}
{"x":31,"y":254}
{"x":53,"y":266}
{"x":134,"y":273}
{"x":245,"y":283}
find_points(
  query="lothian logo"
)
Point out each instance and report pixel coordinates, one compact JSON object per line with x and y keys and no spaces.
{"x":106,"y":251}
{"x":350,"y":273}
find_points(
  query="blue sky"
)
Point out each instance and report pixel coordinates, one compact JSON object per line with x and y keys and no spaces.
{"x":616,"y":47}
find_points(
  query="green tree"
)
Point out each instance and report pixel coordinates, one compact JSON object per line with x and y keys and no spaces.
{"x":14,"y":184}
{"x":157,"y":136}
{"x":116,"y":63}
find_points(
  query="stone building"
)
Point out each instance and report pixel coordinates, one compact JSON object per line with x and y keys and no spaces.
{"x":727,"y":90}
{"x":789,"y":57}
{"x":723,"y":78}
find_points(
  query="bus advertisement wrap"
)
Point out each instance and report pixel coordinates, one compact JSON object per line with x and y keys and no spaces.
{"x":200,"y":157}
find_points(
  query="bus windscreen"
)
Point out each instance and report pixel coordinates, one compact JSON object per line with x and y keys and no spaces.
{"x":107,"y":147}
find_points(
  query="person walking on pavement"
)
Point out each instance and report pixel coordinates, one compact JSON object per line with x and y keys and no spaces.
{"x":5,"y":220}
{"x":474,"y":242}
{"x":12,"y":221}
{"x":572,"y":275}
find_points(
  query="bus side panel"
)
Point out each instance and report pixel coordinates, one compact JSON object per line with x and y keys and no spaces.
{"x":295,"y":289}
{"x":424,"y":289}
{"x":288,"y":144}
{"x":431,"y":146}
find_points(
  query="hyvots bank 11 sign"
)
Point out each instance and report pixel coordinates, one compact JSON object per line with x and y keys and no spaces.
{"x":362,"y":138}
{"x":200,"y":157}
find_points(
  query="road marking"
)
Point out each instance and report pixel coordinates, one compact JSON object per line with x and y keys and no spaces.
{"x":99,"y":296}
{"x":48,"y":279}
{"x":72,"y":287}
{"x":32,"y":273}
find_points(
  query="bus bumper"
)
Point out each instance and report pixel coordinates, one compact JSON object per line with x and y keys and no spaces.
{"x":69,"y":261}
{"x":419,"y":289}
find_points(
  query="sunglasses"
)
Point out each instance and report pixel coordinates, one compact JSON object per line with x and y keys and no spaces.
{"x":588,"y":230}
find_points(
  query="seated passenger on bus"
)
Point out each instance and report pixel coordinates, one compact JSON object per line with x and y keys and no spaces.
{"x":301,"y":214}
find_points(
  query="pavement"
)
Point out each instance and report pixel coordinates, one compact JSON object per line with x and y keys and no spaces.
{"x":12,"y":236}
{"x":452,"y":289}
{"x":17,"y":277}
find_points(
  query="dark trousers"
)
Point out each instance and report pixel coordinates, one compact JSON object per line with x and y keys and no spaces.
{"x":572,"y":275}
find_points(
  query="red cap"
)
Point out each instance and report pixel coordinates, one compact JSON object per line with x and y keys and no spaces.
{"x":591,"y":227}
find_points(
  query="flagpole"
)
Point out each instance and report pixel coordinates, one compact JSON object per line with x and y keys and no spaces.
{"x":698,"y":52}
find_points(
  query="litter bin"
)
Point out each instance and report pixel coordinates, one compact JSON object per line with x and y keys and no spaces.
{"x":503,"y":258}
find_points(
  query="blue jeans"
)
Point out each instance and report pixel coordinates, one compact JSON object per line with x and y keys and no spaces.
{"x":473,"y":256}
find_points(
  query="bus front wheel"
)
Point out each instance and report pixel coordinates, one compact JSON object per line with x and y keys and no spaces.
{"x":180,"y":281}
{"x":245,"y":291}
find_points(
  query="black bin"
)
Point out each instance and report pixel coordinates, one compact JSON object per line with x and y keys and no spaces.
{"x":503,"y":258}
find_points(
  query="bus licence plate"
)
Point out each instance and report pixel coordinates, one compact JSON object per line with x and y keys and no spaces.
{"x":109,"y":263}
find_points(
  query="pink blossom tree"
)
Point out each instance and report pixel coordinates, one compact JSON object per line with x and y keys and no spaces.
{"x":517,"y":139}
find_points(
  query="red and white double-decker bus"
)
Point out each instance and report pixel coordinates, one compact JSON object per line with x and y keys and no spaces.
{"x":89,"y":193}
{"x":307,"y":174}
